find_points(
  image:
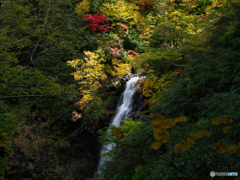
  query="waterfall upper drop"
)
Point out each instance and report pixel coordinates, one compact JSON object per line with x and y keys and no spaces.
{"x":124,"y":111}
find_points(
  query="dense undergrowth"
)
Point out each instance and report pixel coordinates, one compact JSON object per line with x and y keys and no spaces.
{"x":61,"y":62}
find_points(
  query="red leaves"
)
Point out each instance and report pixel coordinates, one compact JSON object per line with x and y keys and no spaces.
{"x":134,"y":53}
{"x":98,"y":22}
{"x":180,"y":70}
{"x":80,"y":103}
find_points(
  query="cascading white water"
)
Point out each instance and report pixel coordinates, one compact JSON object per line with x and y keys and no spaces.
{"x":123,"y":112}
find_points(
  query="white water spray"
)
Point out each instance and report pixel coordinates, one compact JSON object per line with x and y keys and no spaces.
{"x":123,"y":112}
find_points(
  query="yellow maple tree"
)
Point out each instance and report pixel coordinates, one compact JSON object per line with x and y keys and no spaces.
{"x":89,"y":72}
{"x":82,"y":8}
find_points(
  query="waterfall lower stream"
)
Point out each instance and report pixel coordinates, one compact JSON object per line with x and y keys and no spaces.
{"x":124,"y":111}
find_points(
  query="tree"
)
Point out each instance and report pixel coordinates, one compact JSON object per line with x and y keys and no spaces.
{"x":30,"y":29}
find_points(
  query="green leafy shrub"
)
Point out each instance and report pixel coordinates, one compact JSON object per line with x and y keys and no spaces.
{"x":53,"y":64}
{"x":133,"y":41}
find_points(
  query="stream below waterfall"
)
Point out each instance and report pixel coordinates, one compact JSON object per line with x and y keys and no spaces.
{"x":125,"y":110}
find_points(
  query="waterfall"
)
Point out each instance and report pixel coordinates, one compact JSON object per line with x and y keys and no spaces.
{"x":124,"y":111}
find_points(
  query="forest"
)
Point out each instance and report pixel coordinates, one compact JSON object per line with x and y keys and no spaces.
{"x":62,"y":65}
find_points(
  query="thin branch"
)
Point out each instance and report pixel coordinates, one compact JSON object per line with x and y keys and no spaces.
{"x":20,"y":85}
{"x":24,"y":96}
{"x":82,"y":128}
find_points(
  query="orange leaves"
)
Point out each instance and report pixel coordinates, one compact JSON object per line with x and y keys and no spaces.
{"x":223,"y":148}
{"x":221,"y":119}
{"x":115,"y":52}
{"x":124,"y":27}
{"x":147,"y":101}
{"x":75,"y":116}
{"x":80,"y":103}
{"x":117,"y":133}
{"x":132,"y":54}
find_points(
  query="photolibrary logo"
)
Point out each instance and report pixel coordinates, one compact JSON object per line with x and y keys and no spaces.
{"x":212,"y":174}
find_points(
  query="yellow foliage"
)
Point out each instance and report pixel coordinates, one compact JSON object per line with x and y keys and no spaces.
{"x":184,"y":145}
{"x":179,"y":119}
{"x":153,"y":85}
{"x":161,"y":127}
{"x":141,"y":24}
{"x":89,"y":72}
{"x":221,"y":119}
{"x":117,"y":132}
{"x":121,"y":69}
{"x":223,"y":148}
{"x":162,"y":135}
{"x":144,"y":2}
{"x":233,"y":148}
{"x":199,"y":133}
{"x":130,"y":126}
{"x":225,"y":130}
{"x":82,"y":8}
{"x":156,"y":145}
{"x":156,"y":119}
{"x":121,"y":12}
{"x":143,"y":112}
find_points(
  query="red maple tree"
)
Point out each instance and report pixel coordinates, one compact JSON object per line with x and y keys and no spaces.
{"x":98,"y":22}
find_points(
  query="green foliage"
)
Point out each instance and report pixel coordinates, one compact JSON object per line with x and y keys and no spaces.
{"x":55,"y":67}
{"x":207,"y":88}
{"x":40,"y":36}
{"x":130,"y":126}
{"x":133,"y":42}
{"x":206,"y":81}
{"x":141,"y":172}
{"x":99,"y":3}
